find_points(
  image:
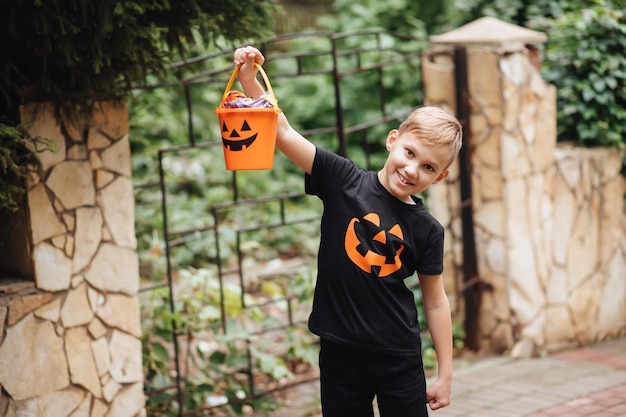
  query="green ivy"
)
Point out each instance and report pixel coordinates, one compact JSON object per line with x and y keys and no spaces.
{"x":586,"y":62}
{"x":16,"y":161}
{"x":212,"y":361}
{"x":515,"y":11}
{"x":80,"y":50}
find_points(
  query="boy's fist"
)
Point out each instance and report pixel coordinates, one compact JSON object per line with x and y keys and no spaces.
{"x":247,"y":56}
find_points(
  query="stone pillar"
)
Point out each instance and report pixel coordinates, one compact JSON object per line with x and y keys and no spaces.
{"x":512,"y":128}
{"x":549,"y":220}
{"x":71,"y":336}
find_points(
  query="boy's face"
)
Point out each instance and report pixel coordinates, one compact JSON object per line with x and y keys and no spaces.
{"x":412,"y":165}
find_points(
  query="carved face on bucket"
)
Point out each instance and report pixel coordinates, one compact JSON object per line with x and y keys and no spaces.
{"x":239,"y":136}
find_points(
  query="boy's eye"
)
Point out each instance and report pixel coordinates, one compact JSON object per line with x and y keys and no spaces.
{"x":429,"y":167}
{"x":409,"y":152}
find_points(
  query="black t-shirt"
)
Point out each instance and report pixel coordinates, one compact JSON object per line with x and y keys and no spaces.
{"x":370,"y":242}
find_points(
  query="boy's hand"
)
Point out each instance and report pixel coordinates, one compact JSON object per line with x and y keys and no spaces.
{"x":295,"y":146}
{"x":438,"y":395}
{"x":246,"y":57}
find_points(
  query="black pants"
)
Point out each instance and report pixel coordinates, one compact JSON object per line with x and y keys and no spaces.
{"x":350,"y":378}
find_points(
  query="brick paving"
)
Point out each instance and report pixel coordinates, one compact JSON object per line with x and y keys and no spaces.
{"x":606,"y":402}
{"x":585,"y":382}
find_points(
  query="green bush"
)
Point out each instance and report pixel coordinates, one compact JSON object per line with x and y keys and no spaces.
{"x":82,"y":50}
{"x":586,"y":62}
{"x":212,"y":362}
{"x":16,"y":161}
{"x":518,"y":12}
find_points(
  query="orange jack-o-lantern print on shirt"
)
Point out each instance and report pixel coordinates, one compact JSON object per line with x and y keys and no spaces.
{"x":373,"y":249}
{"x":236,"y":137}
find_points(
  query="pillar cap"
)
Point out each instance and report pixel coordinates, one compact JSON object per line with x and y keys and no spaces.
{"x":490,"y":31}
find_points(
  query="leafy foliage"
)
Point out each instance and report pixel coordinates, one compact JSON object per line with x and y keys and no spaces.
{"x":16,"y":161}
{"x":80,"y":50}
{"x":587,"y":64}
{"x":212,"y":362}
{"x":515,"y":11}
{"x":395,"y":15}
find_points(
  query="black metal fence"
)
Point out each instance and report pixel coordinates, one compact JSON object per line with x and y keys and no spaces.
{"x":223,"y":354}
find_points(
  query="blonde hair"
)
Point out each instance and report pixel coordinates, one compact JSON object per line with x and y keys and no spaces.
{"x":435,"y":126}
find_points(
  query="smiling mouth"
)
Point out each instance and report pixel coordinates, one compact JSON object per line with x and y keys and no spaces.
{"x":403,"y":179}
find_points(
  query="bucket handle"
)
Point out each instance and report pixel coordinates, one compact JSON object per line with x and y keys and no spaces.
{"x":272,"y":99}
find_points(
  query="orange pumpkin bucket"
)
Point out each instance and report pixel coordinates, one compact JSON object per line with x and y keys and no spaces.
{"x":248,"y":133}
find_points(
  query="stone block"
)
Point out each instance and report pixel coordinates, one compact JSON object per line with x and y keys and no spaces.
{"x":30,"y":350}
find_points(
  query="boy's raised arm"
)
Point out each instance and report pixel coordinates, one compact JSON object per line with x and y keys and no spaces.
{"x":295,"y":146}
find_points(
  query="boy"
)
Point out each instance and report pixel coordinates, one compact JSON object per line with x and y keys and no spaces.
{"x":374,"y":234}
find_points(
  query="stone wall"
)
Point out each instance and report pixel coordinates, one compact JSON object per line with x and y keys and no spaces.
{"x":70,"y":338}
{"x":549,"y":220}
{"x":586,"y":289}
